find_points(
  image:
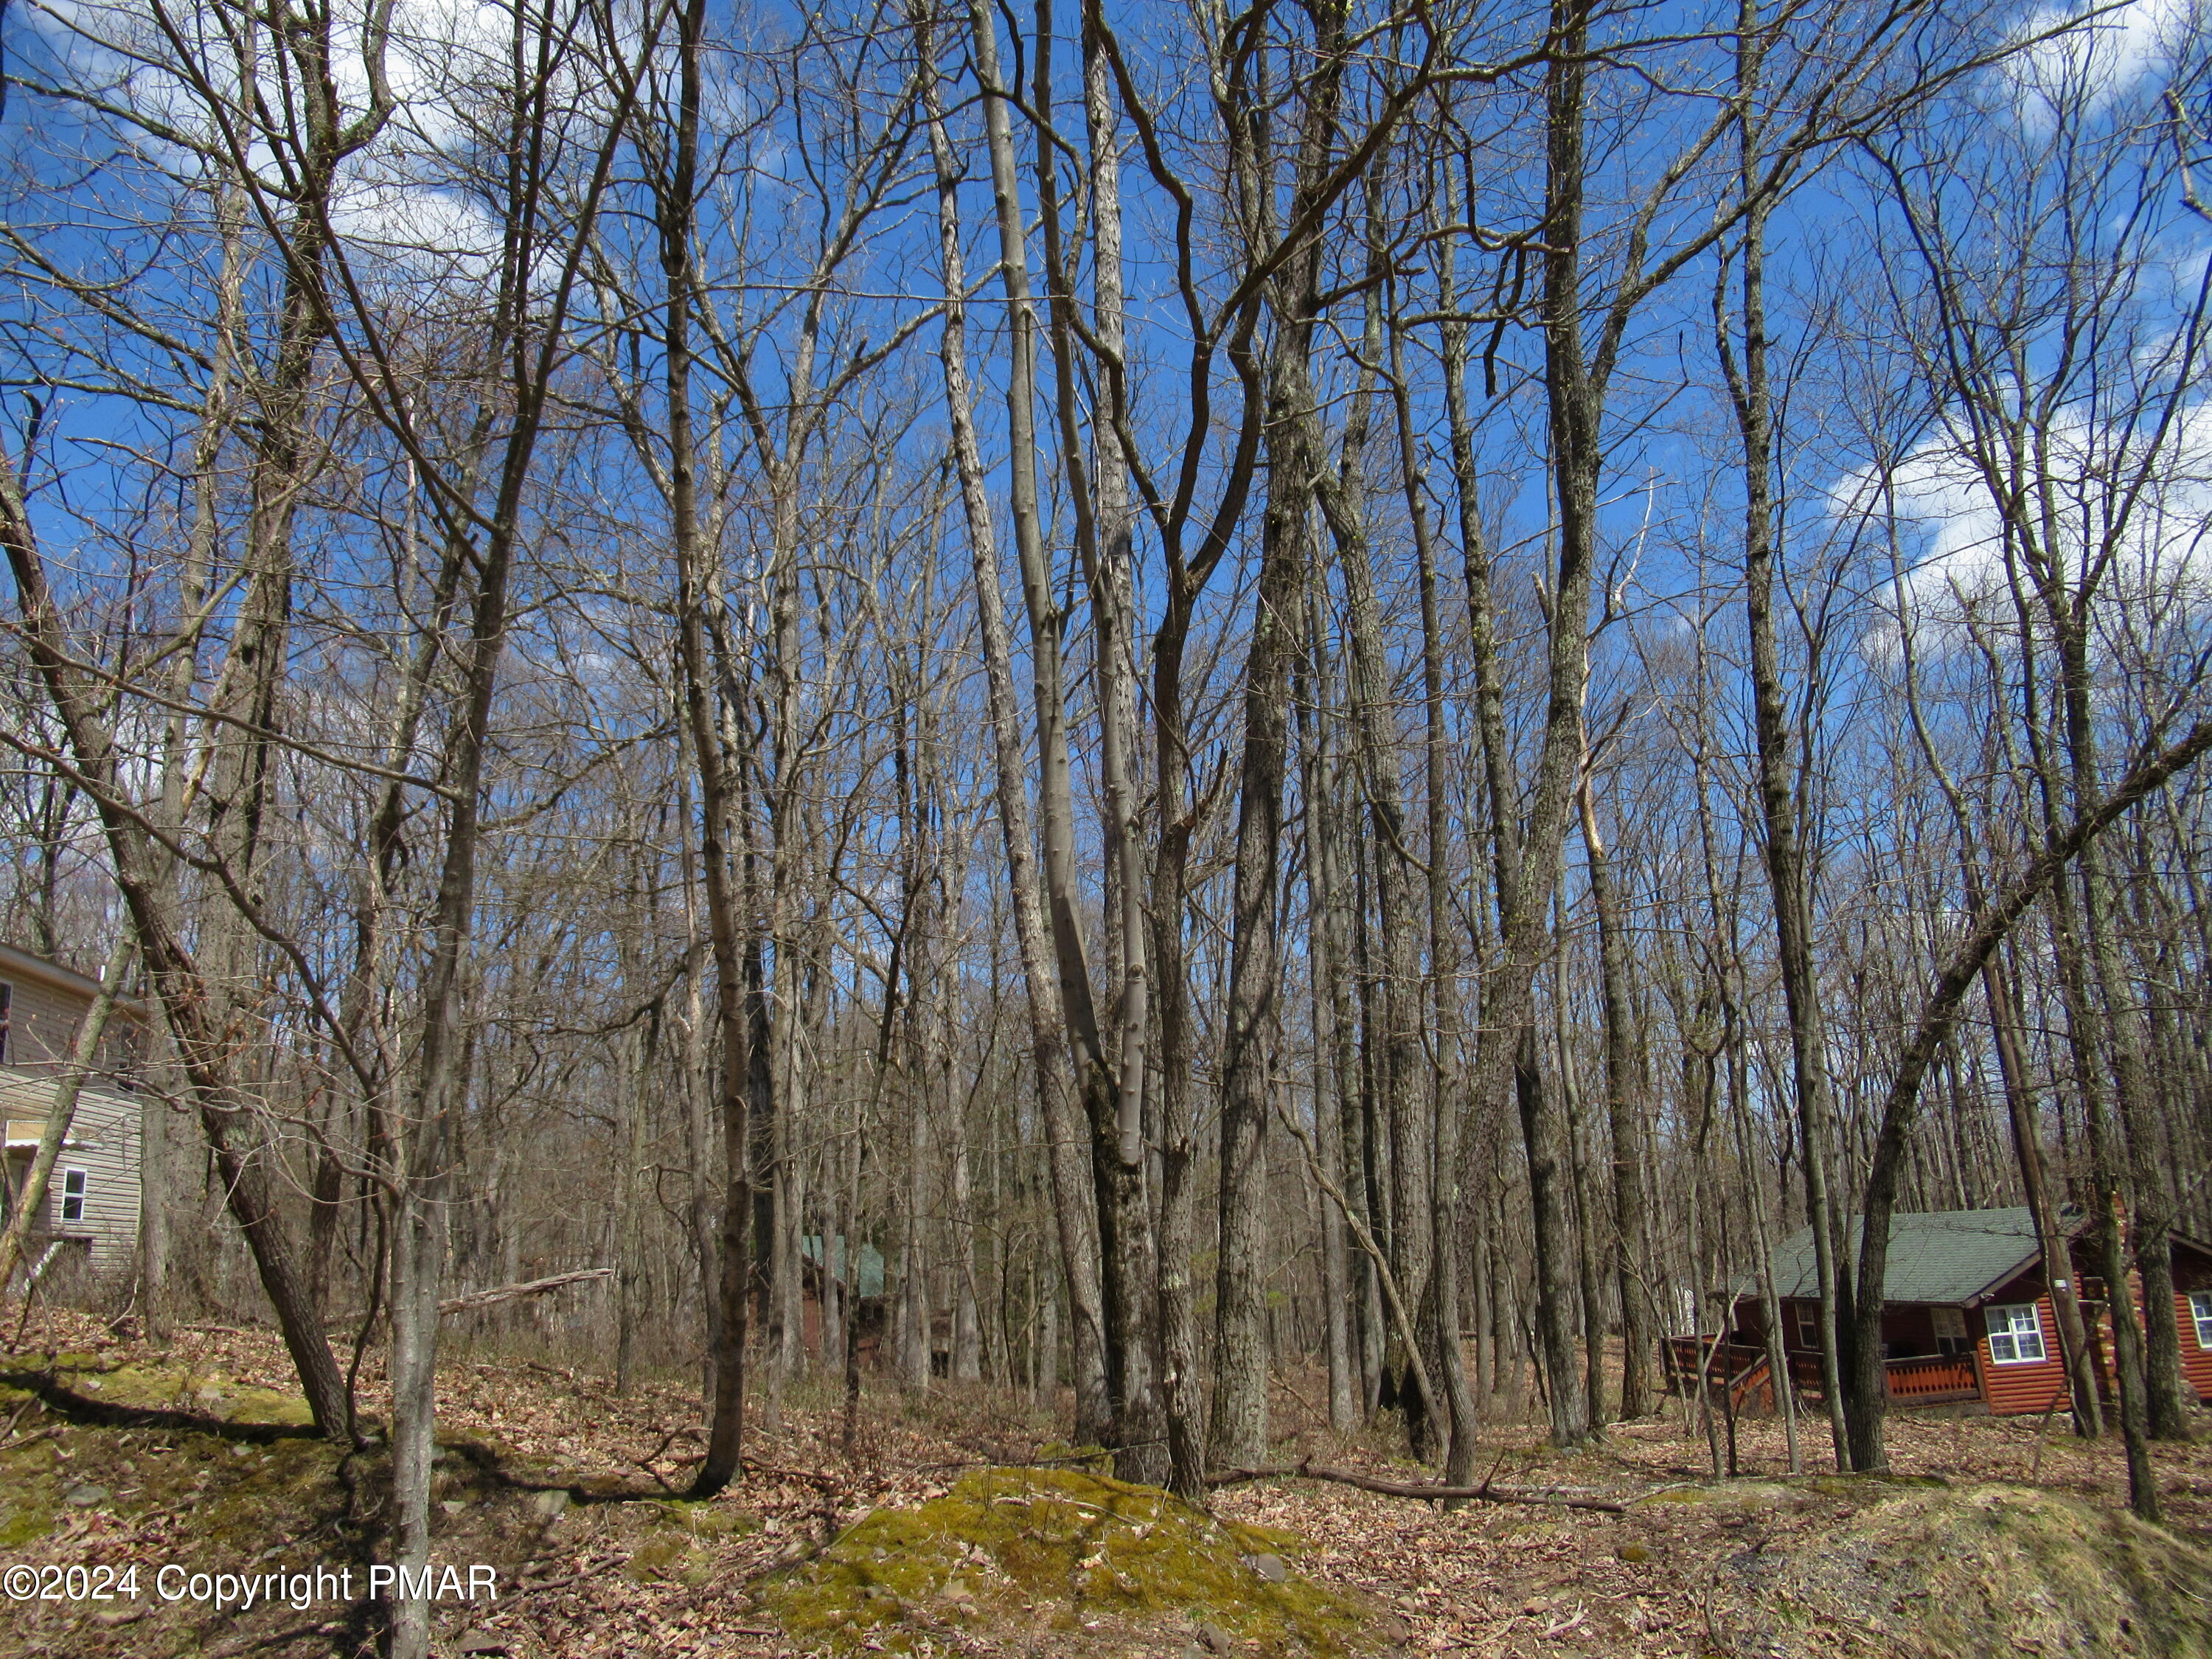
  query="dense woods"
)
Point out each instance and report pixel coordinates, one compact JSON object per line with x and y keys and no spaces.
{"x":1306,"y":688}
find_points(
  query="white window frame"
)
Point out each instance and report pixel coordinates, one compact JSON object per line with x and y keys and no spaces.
{"x":2013,"y":1326}
{"x":2200,"y":1308}
{"x":84,"y":1180}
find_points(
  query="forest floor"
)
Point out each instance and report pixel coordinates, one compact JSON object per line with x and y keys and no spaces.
{"x":115,"y":1454}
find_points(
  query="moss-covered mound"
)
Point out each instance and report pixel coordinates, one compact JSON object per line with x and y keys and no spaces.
{"x":1976,"y":1572}
{"x":1036,"y":1550}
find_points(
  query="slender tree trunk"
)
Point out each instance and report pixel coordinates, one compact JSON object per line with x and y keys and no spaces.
{"x":1407,"y":1105}
{"x":1624,"y":1119}
{"x":206,"y":1054}
{"x":1778,"y":800}
{"x":1239,"y":1439}
{"x":1067,"y":1152}
{"x":1331,"y":1023}
{"x":1129,"y":1275}
{"x":677,"y":211}
{"x":2028,"y":1149}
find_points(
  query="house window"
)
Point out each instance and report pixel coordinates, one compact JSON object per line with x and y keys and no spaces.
{"x":2015,"y":1334}
{"x":1950,"y":1331}
{"x":2200,"y":1306}
{"x":7,"y":996}
{"x":73,"y":1186}
{"x":1808,"y":1325}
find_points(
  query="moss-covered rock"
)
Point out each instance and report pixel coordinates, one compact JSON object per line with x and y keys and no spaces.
{"x":204,"y":1393}
{"x":1976,"y":1572}
{"x":1057,"y":1550}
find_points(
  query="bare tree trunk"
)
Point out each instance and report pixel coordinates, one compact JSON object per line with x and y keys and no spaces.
{"x":1779,"y":802}
{"x":677,"y":212}
{"x":1067,"y":1151}
{"x":1239,"y":1436}
{"x":2028,"y":1149}
{"x":1331,"y":1022}
{"x":1625,"y":1118}
{"x":205,"y":1053}
{"x":2164,"y":1381}
{"x":1589,"y":1293}
{"x":1111,"y":1103}
{"x":1399,"y":992}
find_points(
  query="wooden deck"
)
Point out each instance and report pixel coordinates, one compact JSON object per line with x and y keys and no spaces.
{"x":1925,"y":1380}
{"x":1933,"y":1380}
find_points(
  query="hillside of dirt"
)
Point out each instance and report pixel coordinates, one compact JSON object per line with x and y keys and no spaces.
{"x":958,"y":1525}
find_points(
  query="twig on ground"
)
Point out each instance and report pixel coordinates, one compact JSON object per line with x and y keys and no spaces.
{"x":8,"y":1433}
{"x":584,"y":1570}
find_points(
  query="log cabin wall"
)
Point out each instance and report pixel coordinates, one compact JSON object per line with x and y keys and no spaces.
{"x":2192,"y":1311}
{"x":2016,"y":1386}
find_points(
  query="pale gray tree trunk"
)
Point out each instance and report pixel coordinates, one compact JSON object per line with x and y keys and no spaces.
{"x":1067,"y":1152}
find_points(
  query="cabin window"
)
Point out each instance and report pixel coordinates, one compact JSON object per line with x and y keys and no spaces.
{"x":2015,"y":1334}
{"x":1950,"y":1331}
{"x":2200,"y":1305}
{"x":1808,"y":1326}
{"x":73,"y":1187}
{"x":7,"y":996}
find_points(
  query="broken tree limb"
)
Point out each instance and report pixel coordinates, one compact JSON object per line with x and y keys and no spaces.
{"x":1485,"y":1491}
{"x":474,"y":1299}
{"x":497,"y":1294}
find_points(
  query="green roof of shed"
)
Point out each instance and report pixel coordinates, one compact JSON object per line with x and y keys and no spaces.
{"x":871,"y":1260}
{"x":1946,"y":1257}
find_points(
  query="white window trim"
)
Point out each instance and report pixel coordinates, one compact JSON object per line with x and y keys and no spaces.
{"x":83,"y":1191}
{"x":2011,"y":1331}
{"x":2200,"y":1308}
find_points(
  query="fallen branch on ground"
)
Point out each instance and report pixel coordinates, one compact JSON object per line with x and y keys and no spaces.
{"x":1485,"y":1492}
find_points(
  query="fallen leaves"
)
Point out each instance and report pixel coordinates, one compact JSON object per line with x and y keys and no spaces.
{"x":653,"y":1574}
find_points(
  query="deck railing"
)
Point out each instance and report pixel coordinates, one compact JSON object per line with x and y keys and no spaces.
{"x":1738,"y":1367}
{"x":1926,"y":1379}
{"x":1935,"y":1375}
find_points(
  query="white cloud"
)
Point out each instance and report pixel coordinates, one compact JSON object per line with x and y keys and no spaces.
{"x":2154,"y":546}
{"x":2098,"y":53}
{"x":401,"y":205}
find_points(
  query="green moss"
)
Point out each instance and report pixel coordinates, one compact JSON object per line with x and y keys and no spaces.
{"x":685,"y":1537}
{"x":1864,"y":1488}
{"x":209,"y":1393}
{"x":1984,"y":1572}
{"x":30,"y":1490}
{"x":704,"y":1518}
{"x":1722,"y":1494}
{"x":1056,"y":1547}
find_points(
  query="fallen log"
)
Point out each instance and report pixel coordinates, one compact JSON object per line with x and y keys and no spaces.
{"x":1484,"y":1493}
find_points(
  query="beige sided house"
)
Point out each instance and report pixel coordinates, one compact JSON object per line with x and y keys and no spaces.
{"x":92,"y":1202}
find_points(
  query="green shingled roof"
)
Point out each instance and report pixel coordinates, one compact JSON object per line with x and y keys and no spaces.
{"x":1947,"y":1257}
{"x":871,"y":1259}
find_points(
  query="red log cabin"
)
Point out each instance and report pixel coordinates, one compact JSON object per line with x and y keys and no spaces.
{"x":1967,"y":1321}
